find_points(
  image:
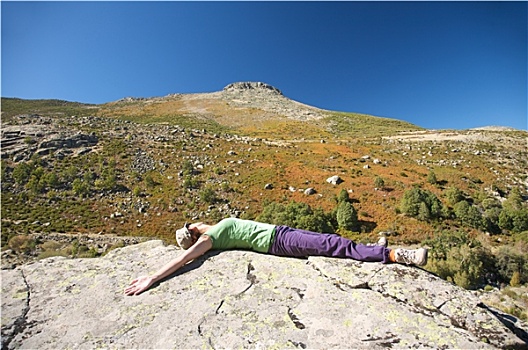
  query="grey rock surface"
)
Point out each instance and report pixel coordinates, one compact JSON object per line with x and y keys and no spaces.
{"x":240,"y":299}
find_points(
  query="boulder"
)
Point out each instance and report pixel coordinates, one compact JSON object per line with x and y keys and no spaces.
{"x":240,"y":299}
{"x":310,"y":191}
{"x":334,"y":180}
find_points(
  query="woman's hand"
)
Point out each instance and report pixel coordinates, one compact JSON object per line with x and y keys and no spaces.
{"x":139,"y":285}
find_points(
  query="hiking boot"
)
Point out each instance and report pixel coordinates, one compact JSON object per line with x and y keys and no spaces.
{"x":382,"y":242}
{"x":411,"y":256}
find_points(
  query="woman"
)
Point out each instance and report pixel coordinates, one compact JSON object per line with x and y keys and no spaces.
{"x":233,"y":233}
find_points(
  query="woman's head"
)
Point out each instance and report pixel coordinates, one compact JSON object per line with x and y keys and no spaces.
{"x":187,"y":236}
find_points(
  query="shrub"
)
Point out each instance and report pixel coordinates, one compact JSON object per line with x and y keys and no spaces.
{"x":468,"y":215}
{"x":21,"y":173}
{"x":514,"y":201}
{"x":208,"y":195}
{"x":35,"y":185}
{"x":86,"y":252}
{"x":510,"y":262}
{"x":346,"y":216}
{"x":69,"y":174}
{"x":50,"y":180}
{"x":298,"y":215}
{"x":456,"y":257}
{"x":187,"y":168}
{"x":454,"y":195}
{"x":136,"y":191}
{"x":22,"y":243}
{"x":514,"y":220}
{"x":515,"y":280}
{"x":50,"y":245}
{"x":421,"y":204}
{"x":190,"y":182}
{"x":4,"y":172}
{"x":491,"y":219}
{"x":431,"y":178}
{"x":50,"y":253}
{"x":520,"y":220}
{"x":80,"y":187}
{"x":319,"y":221}
{"x":108,"y":180}
{"x":379,"y":182}
{"x":149,"y":181}
{"x":88,"y":177}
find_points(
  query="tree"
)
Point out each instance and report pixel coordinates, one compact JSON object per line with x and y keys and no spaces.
{"x":298,"y":215}
{"x":346,"y":216}
{"x":514,"y":216}
{"x":343,"y":196}
{"x":456,"y":257}
{"x":421,"y":204}
{"x":319,"y":221}
{"x":423,"y":212}
{"x":505,"y":220}
{"x":514,"y":201}
{"x":514,"y":220}
{"x":469,"y":215}
{"x":431,"y":178}
{"x":454,"y":195}
{"x":520,"y":220}
{"x":491,"y":219}
{"x":509,"y":262}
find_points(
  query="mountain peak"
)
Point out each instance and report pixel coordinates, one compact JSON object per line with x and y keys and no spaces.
{"x":250,"y":85}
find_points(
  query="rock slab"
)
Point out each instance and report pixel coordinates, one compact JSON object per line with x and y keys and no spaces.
{"x":240,"y":299}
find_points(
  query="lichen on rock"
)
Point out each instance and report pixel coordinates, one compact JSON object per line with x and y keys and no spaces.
{"x":240,"y":299}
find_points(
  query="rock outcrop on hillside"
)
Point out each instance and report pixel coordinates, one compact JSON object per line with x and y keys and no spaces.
{"x":240,"y":299}
{"x":35,"y":134}
{"x":243,"y":86}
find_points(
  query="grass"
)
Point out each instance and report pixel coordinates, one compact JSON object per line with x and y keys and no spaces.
{"x":15,"y":106}
{"x":366,"y":126}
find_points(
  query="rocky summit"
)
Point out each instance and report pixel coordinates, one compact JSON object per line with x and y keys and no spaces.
{"x":241,"y":299}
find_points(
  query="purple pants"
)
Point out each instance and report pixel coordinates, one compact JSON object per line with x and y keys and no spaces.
{"x":300,"y":243}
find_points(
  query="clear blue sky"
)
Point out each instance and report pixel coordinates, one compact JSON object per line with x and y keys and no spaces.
{"x":435,"y":64}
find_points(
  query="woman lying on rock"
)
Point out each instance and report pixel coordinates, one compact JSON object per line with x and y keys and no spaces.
{"x":233,"y":233}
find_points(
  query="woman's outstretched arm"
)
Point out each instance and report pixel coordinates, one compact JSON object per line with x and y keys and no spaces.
{"x":141,"y":284}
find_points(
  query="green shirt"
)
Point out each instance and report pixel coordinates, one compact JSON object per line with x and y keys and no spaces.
{"x":241,"y":234}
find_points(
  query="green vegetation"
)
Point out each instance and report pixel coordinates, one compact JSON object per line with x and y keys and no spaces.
{"x":379,"y":182}
{"x":345,"y":214}
{"x":15,"y":106}
{"x":471,"y":264}
{"x":431,"y":178}
{"x":155,"y":167}
{"x":421,"y":204}
{"x":299,"y":215}
{"x":362,"y":125}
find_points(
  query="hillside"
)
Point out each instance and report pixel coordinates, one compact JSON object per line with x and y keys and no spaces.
{"x":80,"y":180}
